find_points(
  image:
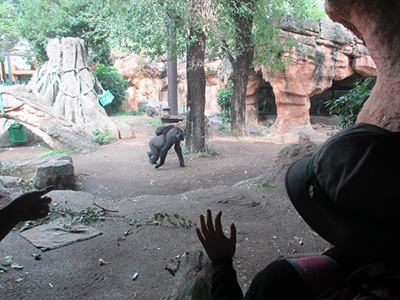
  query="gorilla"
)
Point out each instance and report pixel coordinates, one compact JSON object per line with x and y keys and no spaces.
{"x":166,"y":136}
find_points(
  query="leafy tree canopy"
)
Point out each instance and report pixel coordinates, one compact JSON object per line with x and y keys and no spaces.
{"x":348,"y":107}
{"x":42,"y":20}
{"x":9,"y":35}
{"x":141,"y":26}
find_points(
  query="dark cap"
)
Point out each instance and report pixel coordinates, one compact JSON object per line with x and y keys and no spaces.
{"x":349,"y":191}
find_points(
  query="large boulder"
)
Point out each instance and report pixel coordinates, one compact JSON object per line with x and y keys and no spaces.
{"x":56,"y":170}
{"x":58,"y":173}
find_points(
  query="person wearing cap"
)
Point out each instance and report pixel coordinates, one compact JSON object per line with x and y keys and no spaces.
{"x":347,"y":193}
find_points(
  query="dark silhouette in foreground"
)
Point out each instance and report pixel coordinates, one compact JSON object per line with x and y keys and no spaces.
{"x":29,"y":206}
{"x":347,"y":193}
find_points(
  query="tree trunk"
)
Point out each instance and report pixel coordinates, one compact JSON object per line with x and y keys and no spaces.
{"x":172,"y":73}
{"x":196,"y":86}
{"x":3,"y":73}
{"x":242,"y":63}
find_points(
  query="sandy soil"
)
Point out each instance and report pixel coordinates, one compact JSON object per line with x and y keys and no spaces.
{"x":119,"y":177}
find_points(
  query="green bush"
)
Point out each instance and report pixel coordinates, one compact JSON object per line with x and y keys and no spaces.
{"x":112,"y":81}
{"x":222,"y":128}
{"x":349,"y":106}
{"x":224,"y":98}
{"x":103,"y":137}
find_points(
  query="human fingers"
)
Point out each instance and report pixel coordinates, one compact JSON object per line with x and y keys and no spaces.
{"x":210,"y":224}
{"x":46,"y":200}
{"x":232,"y":236}
{"x":218,"y":224}
{"x":39,"y":193}
{"x":44,"y":191}
{"x":203,"y":225}
{"x":200,"y":236}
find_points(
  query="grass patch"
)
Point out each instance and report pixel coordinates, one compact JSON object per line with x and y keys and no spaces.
{"x":153,"y":122}
{"x":159,"y":218}
{"x":202,"y":154}
{"x":266,"y":185}
{"x":53,"y":152}
{"x":211,"y":151}
{"x":129,"y":113}
{"x":223,"y":128}
{"x":185,"y":150}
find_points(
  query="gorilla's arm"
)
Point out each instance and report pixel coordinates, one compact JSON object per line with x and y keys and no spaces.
{"x":163,"y":129}
{"x":163,"y":153}
{"x":155,"y":144}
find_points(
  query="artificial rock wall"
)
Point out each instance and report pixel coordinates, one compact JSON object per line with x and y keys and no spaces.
{"x":377,"y":23}
{"x":326,"y":52}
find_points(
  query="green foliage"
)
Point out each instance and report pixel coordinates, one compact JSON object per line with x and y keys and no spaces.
{"x":176,"y":220}
{"x":159,"y":218}
{"x":129,"y":113}
{"x":268,"y":48}
{"x":85,"y":216}
{"x":266,"y":185}
{"x":111,"y":80}
{"x":52,"y":152}
{"x":210,"y":151}
{"x":42,"y":20}
{"x":224,"y":98}
{"x":185,"y":150}
{"x":9,"y":34}
{"x":349,"y":106}
{"x":103,"y":137}
{"x":222,"y":128}
{"x":143,"y":25}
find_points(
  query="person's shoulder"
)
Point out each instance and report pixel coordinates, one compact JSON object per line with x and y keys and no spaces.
{"x":277,"y":270}
{"x":278,"y":280}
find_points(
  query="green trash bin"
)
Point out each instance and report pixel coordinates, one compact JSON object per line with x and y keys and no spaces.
{"x":106,"y":98}
{"x":17,"y":133}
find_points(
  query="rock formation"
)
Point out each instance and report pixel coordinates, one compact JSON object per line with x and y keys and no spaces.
{"x":147,"y":80}
{"x":22,"y":105}
{"x":67,"y":84}
{"x":325,"y":52}
{"x":377,"y":23}
{"x":56,"y":170}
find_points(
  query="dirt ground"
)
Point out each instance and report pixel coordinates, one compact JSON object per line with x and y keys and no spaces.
{"x":118,"y":177}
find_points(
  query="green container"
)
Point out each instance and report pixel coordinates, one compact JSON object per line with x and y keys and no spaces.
{"x":17,"y":133}
{"x":106,"y":98}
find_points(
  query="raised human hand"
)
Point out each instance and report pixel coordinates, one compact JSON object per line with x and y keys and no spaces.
{"x":32,"y":205}
{"x":29,"y":206}
{"x":213,"y":239}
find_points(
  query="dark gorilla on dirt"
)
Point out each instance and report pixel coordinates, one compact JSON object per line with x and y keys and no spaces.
{"x":166,"y":136}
